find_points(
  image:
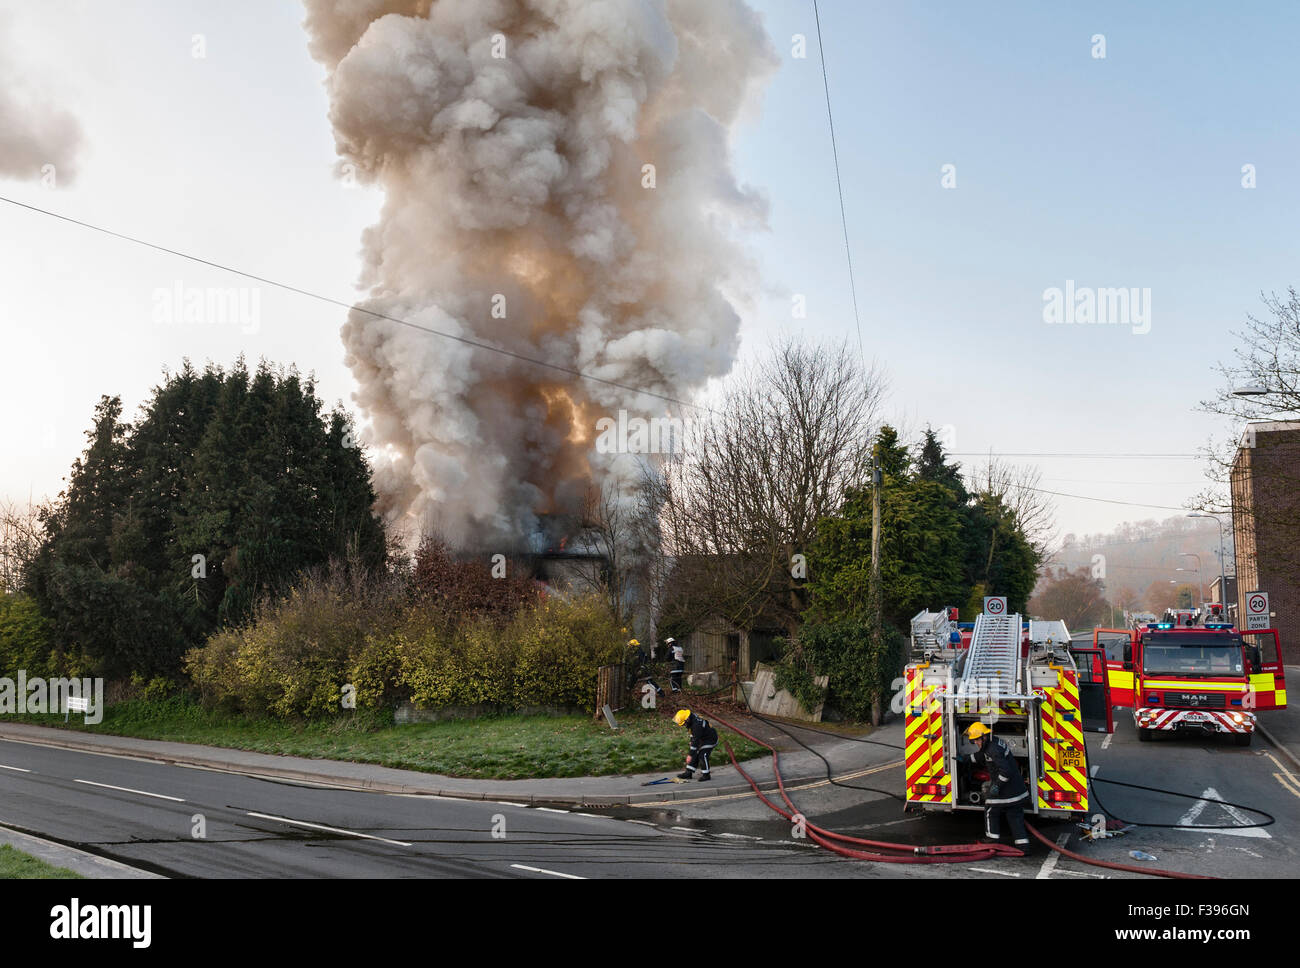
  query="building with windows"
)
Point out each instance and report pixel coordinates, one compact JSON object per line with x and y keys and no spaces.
{"x":1266,"y":525}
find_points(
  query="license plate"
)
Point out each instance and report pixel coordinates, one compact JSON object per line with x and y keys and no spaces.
{"x":1071,"y":758}
{"x":1196,"y":718}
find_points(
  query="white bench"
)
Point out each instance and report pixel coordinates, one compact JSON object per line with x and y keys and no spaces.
{"x":76,"y":705}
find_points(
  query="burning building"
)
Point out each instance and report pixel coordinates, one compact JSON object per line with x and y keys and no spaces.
{"x":557,"y":243}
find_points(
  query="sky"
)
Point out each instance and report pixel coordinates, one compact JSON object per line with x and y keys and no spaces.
{"x":1068,"y":170}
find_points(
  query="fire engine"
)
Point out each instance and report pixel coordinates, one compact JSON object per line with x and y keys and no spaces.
{"x":1037,"y":690}
{"x":1205,"y":678}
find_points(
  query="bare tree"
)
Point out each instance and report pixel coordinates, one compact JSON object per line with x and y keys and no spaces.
{"x":21,"y":531}
{"x":793,"y":435}
{"x":1268,"y":360}
{"x":609,"y":534}
{"x":1019,"y":488}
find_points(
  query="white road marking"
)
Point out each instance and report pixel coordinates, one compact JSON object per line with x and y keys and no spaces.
{"x":1049,"y":863}
{"x":16,"y":769}
{"x":1080,"y":874}
{"x":1105,"y":744}
{"x":1211,"y":794}
{"x":542,"y":870}
{"x":550,"y":810}
{"x":1095,"y":770}
{"x":739,"y":836}
{"x":990,"y":870}
{"x":644,"y":823}
{"x":687,"y":830}
{"x":333,"y":830}
{"x":594,"y":816}
{"x":143,"y":793}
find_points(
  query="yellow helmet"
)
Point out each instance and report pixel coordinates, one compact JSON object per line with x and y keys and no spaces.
{"x":976,"y":731}
{"x":682,"y":716}
{"x":634,"y":642}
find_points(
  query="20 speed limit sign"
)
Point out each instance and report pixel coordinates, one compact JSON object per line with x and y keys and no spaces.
{"x":1257,"y":610}
{"x":995,"y":605}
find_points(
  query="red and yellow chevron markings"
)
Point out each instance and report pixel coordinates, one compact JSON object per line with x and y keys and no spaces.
{"x":1064,"y":781}
{"x":925,"y":768}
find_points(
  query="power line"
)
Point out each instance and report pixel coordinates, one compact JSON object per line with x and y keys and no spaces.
{"x":1102,"y":500}
{"x":1085,"y":480}
{"x":353,"y":307}
{"x":984,"y":453}
{"x":839,"y":185}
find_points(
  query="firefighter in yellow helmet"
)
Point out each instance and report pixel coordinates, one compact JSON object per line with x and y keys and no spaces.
{"x":703,"y":738}
{"x":1007,"y":791}
{"x":636,"y":665}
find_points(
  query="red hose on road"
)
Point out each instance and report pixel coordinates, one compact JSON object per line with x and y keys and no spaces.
{"x":1154,"y":872}
{"x":956,"y":853}
{"x":952,"y":854}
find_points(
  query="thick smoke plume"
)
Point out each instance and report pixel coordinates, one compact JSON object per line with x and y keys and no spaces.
{"x":509,"y":139}
{"x":35,"y":133}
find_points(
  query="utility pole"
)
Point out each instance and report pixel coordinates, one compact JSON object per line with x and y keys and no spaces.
{"x":876,"y":603}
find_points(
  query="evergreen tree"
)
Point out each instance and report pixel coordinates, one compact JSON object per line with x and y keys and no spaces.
{"x":229,"y":486}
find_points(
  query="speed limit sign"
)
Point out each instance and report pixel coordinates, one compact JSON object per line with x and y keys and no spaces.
{"x":1257,"y":610}
{"x":995,"y":604}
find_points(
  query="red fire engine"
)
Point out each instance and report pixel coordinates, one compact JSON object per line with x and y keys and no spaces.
{"x":1207,"y":678}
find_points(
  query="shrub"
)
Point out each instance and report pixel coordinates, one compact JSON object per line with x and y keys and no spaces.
{"x":27,"y":642}
{"x":297,"y":653}
{"x":561,"y":645}
{"x":794,"y":675}
{"x":858,"y":674}
{"x":293,"y":659}
{"x":466,"y":589}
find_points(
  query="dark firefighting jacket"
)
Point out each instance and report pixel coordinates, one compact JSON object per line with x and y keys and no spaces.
{"x":702,"y":734}
{"x":1004,"y":774}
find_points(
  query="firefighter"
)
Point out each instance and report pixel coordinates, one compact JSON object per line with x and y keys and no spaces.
{"x":636,"y":667}
{"x":678,"y":655}
{"x":1007,"y":792}
{"x":703,"y":738}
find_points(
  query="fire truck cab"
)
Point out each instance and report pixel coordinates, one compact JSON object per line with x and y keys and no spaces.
{"x":1206,"y":679}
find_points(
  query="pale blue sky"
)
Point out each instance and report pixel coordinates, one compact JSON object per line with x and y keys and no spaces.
{"x":1122,"y":172}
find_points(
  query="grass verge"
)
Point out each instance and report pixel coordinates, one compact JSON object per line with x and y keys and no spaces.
{"x":15,"y":865}
{"x":503,"y":748}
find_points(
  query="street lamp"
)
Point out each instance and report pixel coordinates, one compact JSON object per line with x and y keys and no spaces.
{"x":1251,"y":390}
{"x":1200,"y":585}
{"x":1223,"y":583}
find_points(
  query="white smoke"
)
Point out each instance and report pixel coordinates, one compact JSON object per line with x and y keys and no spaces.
{"x":38,"y":139}
{"x":509,"y":139}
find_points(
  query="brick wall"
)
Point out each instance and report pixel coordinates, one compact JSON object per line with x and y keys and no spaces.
{"x":1266,"y":525}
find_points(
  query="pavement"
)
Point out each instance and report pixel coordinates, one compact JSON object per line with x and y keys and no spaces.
{"x":1281,"y":727}
{"x":797,"y":768}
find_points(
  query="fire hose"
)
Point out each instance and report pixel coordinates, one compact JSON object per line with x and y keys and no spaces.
{"x":909,"y":853}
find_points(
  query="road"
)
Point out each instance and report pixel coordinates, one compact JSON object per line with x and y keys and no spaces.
{"x":145,"y":813}
{"x":148,"y":814}
{"x":1258,"y":776}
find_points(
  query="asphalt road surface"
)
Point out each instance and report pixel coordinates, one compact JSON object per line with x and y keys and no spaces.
{"x":187,"y":822}
{"x":147,"y":814}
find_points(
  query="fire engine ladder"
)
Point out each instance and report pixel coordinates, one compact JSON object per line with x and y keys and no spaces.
{"x":994,"y":653}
